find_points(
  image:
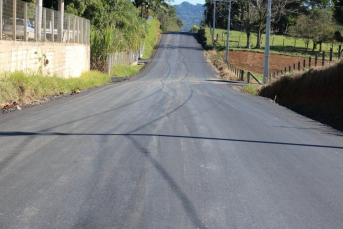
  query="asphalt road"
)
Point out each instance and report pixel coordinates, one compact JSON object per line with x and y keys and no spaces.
{"x":173,"y":148}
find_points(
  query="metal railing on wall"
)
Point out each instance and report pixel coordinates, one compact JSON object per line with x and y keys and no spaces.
{"x":22,"y":21}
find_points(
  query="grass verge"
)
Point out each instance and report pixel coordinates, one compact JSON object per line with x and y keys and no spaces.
{"x":125,"y":70}
{"x":152,"y":37}
{"x":317,"y":94}
{"x":251,"y":89}
{"x":21,"y":88}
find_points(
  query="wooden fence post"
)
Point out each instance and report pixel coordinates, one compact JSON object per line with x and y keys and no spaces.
{"x":339,"y":51}
{"x":304,"y":64}
{"x":316,"y":60}
{"x":331,"y":50}
{"x":289,"y":69}
{"x":309,"y":62}
{"x":248,"y":77}
{"x":323,"y":59}
{"x":299,"y":66}
{"x":293,"y":67}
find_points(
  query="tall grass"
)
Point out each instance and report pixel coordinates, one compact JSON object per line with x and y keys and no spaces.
{"x":127,"y":33}
{"x":103,"y":43}
{"x":26,"y":88}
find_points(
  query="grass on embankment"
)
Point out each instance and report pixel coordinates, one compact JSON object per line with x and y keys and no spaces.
{"x":24,"y":88}
{"x":152,"y":37}
{"x":125,"y":70}
{"x":317,"y":94}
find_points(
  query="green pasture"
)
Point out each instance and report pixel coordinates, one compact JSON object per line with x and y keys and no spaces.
{"x":279,"y":44}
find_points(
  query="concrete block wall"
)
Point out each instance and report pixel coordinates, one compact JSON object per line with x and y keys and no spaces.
{"x":61,"y":59}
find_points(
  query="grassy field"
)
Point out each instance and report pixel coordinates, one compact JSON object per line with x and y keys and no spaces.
{"x":279,"y":44}
{"x":25,"y":88}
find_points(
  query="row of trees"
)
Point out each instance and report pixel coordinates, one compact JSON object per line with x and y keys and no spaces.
{"x":316,"y":20}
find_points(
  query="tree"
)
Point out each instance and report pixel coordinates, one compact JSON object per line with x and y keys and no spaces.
{"x":302,"y":29}
{"x":317,"y":3}
{"x":323,"y":27}
{"x":253,"y":15}
{"x":169,"y":20}
{"x":318,"y":27}
{"x":338,"y":11}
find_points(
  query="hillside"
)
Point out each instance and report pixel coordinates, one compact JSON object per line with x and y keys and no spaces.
{"x":190,"y":14}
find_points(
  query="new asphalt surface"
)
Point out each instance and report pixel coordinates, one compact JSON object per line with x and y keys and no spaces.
{"x":172,"y":148}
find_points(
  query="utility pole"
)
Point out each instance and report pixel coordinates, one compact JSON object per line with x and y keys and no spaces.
{"x":228,"y":34}
{"x":214,"y":21}
{"x":266,"y":48}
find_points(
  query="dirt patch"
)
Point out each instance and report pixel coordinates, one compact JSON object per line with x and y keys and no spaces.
{"x":253,"y":61}
{"x":220,"y":65}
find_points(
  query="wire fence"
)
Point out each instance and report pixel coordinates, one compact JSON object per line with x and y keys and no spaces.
{"x":22,"y":21}
{"x":124,"y":58}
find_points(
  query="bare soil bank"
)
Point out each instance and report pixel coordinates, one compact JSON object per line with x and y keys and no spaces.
{"x":253,"y":61}
{"x":317,"y":94}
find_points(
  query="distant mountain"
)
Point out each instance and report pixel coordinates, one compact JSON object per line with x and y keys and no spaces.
{"x":190,"y":14}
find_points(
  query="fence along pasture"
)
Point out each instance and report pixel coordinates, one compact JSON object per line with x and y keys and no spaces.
{"x":14,"y":13}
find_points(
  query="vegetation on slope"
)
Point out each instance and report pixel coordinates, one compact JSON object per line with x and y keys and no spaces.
{"x":317,"y":93}
{"x":169,"y":19}
{"x":152,"y":38}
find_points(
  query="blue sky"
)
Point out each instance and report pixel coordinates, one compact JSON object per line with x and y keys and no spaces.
{"x":194,"y":2}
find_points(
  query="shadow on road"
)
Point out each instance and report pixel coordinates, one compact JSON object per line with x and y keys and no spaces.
{"x":19,"y":133}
